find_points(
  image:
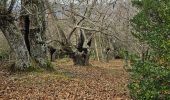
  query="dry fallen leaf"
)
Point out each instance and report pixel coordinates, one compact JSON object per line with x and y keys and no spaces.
{"x":101,"y":81}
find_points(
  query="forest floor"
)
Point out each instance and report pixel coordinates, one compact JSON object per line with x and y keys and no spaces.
{"x":101,"y":81}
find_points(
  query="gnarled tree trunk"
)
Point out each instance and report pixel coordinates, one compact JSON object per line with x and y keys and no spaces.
{"x":13,"y":35}
{"x":16,"y":42}
{"x":81,"y":58}
{"x":35,"y":30}
{"x":81,"y":55}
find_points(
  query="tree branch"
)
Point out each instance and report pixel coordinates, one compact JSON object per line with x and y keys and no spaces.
{"x":11,"y":6}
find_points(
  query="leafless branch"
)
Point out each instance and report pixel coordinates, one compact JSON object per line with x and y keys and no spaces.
{"x":11,"y":6}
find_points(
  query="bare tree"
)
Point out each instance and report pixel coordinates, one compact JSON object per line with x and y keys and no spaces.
{"x":92,"y":16}
{"x":80,"y":52}
{"x":107,"y":19}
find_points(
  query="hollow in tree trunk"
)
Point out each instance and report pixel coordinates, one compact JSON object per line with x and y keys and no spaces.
{"x":82,"y":54}
{"x":35,"y":29}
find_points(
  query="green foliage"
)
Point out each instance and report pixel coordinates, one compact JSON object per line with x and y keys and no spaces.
{"x":149,"y":81}
{"x":122,"y":53}
{"x":151,"y":77}
{"x":133,"y":57}
{"x":152,"y":24}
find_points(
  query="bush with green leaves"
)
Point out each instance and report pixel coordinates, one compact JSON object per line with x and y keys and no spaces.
{"x":149,"y":81}
{"x":151,"y":77}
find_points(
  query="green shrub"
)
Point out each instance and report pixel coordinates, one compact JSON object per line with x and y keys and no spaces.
{"x":150,"y":78}
{"x":149,"y":81}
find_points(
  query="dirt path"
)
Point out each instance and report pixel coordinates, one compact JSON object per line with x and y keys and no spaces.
{"x":101,"y":81}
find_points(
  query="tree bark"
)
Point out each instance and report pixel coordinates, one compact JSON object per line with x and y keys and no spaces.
{"x":82,"y":54}
{"x":81,"y":58}
{"x":38,"y":48}
{"x":101,"y":47}
{"x":96,"y":48}
{"x":16,"y":42}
